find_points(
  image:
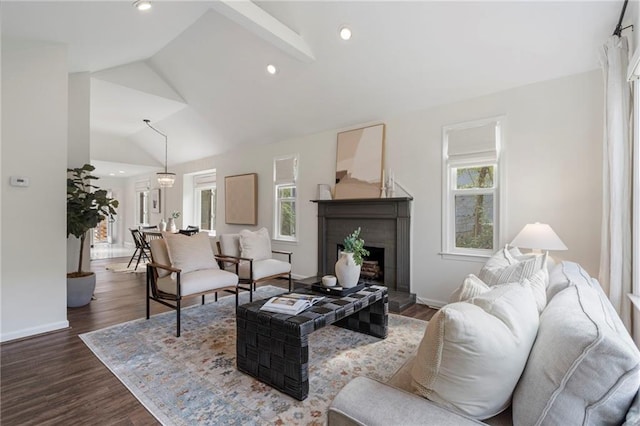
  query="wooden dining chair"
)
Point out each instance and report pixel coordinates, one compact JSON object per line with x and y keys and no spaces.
{"x":143,"y":251}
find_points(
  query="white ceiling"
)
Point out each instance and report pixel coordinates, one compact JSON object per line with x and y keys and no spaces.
{"x":209,"y":90}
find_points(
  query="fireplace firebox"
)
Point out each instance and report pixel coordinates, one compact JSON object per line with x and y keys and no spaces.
{"x":385,"y":227}
{"x":372,"y":269}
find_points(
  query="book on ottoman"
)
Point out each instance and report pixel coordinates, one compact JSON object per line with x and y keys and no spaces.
{"x":292,"y":303}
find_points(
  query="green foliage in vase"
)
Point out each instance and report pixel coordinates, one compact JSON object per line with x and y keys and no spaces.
{"x":87,"y":206}
{"x":354,"y":244}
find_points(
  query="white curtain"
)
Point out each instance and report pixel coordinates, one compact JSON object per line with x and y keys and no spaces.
{"x":615,"y":255}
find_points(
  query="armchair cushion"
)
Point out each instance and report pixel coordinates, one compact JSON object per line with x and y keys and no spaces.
{"x":190,"y":253}
{"x":255,"y":245}
{"x":230,"y":245}
{"x":261,"y":268}
{"x":198,"y":281}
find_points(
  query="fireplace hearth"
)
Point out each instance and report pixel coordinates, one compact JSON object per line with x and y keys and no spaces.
{"x":385,"y":227}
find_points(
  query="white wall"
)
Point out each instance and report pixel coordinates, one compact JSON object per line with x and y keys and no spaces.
{"x":34,"y":144}
{"x":78,"y":150}
{"x":554,"y":174}
{"x":553,"y":140}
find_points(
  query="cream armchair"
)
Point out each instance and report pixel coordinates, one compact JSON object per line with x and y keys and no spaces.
{"x":252,"y":251}
{"x":184,"y":266}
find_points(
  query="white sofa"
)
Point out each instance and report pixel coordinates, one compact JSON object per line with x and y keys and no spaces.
{"x":583,"y":369}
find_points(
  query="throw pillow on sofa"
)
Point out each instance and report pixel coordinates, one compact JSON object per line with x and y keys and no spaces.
{"x":514,"y":272}
{"x":501,"y":259}
{"x":583,"y":368}
{"x":539,"y":283}
{"x":472,"y":286}
{"x":473,"y":353}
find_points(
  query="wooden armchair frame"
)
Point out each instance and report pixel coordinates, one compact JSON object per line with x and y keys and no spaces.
{"x":250,"y":280}
{"x":173,"y":301}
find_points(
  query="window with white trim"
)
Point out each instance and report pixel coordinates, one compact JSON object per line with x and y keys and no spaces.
{"x":204,"y":196}
{"x":142,"y":202}
{"x":472,"y":193}
{"x":285,"y":172}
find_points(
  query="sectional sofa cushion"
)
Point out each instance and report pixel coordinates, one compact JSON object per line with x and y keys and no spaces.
{"x":473,"y":353}
{"x":583,"y":368}
{"x":568,"y":274}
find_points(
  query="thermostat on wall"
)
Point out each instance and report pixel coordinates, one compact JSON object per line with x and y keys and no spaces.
{"x":19,"y":181}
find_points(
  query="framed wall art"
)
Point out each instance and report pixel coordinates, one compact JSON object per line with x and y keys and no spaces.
{"x":241,"y":199}
{"x":359,"y":162}
{"x":155,"y":200}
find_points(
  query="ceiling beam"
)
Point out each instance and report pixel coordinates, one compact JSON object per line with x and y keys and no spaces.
{"x":264,"y":25}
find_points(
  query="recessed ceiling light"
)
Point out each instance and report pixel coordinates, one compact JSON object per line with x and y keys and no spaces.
{"x":345,"y":33}
{"x":271,"y":69}
{"x":121,"y":171}
{"x":112,"y":174}
{"x":142,"y":4}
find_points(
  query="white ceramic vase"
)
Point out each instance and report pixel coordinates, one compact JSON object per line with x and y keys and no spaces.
{"x":347,"y":271}
{"x":162,"y":226}
{"x":171,"y":225}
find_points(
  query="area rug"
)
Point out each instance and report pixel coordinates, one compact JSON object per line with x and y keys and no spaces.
{"x":122,"y":267}
{"x":193,"y":379}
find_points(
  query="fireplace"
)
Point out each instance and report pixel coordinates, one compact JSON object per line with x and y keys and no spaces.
{"x":385,"y":228}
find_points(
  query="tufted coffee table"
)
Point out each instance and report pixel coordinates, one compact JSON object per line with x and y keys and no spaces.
{"x":274,"y":348}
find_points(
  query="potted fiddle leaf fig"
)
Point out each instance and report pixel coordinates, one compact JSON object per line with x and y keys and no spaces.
{"x":349,"y":264}
{"x":87,"y":205}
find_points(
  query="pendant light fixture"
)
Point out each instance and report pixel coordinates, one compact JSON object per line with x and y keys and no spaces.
{"x":165,"y":179}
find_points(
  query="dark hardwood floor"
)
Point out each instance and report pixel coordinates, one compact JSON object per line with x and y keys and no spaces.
{"x":55,"y":379}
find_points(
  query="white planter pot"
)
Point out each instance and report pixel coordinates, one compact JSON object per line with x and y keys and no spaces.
{"x":347,"y":271}
{"x":80,"y":290}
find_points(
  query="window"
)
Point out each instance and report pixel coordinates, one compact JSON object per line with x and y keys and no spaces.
{"x":204,"y":186}
{"x":472,"y":190}
{"x":285,"y":171}
{"x":142,"y":202}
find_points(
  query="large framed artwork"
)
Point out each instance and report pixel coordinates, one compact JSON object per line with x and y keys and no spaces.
{"x":241,"y":199}
{"x":359,"y":162}
{"x":155,"y":200}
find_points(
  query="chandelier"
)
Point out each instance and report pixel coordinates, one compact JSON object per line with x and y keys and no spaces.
{"x":165,"y":179}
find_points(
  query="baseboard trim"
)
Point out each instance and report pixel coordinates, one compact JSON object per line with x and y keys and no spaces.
{"x":34,"y":331}
{"x":436,"y":304}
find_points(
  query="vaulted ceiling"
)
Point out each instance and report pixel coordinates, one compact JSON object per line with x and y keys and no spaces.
{"x":197,"y":70}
